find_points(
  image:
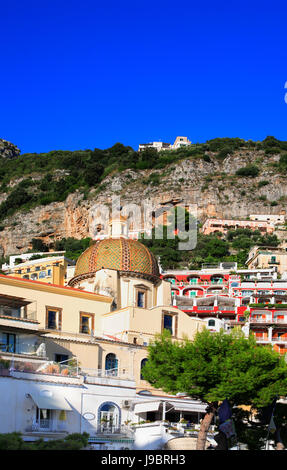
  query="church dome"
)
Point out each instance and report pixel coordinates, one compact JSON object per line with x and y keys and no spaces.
{"x":121,"y":254}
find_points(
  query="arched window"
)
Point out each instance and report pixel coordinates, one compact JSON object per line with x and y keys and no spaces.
{"x":143,"y":362}
{"x":111,"y":365}
{"x":109,"y":417}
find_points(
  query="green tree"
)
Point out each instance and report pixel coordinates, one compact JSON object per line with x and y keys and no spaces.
{"x":216,"y":366}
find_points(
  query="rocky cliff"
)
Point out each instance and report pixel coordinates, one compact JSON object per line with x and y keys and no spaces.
{"x":8,"y":150}
{"x":211,"y":184}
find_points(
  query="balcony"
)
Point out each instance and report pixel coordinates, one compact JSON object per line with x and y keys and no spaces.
{"x":274,"y":340}
{"x":46,"y":371}
{"x":19,"y":313}
{"x":115,"y":377}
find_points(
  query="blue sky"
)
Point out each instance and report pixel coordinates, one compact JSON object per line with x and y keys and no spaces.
{"x":86,"y":74}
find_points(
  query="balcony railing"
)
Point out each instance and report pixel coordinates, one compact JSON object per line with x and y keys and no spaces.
{"x":261,"y":320}
{"x":25,"y":348}
{"x":19,"y":313}
{"x":92,"y":374}
{"x":269,"y":320}
{"x":273,"y":340}
{"x":48,"y":425}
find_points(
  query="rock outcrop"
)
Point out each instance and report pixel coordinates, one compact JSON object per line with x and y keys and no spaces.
{"x":8,"y":150}
{"x":212,"y":186}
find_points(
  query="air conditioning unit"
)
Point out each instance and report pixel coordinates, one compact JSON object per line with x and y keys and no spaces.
{"x":126,"y":404}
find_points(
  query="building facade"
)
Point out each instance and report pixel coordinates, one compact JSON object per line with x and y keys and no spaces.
{"x":224,"y":225}
{"x":77,"y":351}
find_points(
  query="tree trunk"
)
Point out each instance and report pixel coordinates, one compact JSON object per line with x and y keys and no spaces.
{"x":204,"y":427}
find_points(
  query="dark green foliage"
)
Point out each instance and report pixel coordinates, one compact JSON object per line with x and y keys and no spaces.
{"x":248,"y":170}
{"x":272,"y":142}
{"x":219,"y":144}
{"x":14,"y":441}
{"x":216,"y":366}
{"x":283,"y":163}
{"x":262,"y":183}
{"x":73,"y":247}
{"x":209,"y":249}
{"x":64,"y":172}
{"x":39,"y":245}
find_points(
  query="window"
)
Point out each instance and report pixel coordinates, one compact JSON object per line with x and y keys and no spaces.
{"x":61,"y":357}
{"x":140,"y":299}
{"x":37,"y":268}
{"x":143,"y":362}
{"x":8,"y":343}
{"x":28,"y":270}
{"x":86,"y":323}
{"x":111,"y":364}
{"x":167,"y":323}
{"x":49,"y":272}
{"x":211,"y":322}
{"x":170,"y":279}
{"x":53,"y":318}
{"x":192,"y":293}
{"x":34,"y":276}
{"x":42,"y":274}
{"x":170,"y":322}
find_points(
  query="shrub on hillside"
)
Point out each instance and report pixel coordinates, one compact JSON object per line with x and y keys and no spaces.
{"x":248,"y":170}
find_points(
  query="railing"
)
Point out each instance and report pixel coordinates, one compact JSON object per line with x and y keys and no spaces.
{"x":200,"y":284}
{"x":121,"y":374}
{"x":273,"y":340}
{"x":29,"y":349}
{"x":44,"y":367}
{"x":207,"y":308}
{"x":261,"y":320}
{"x":108,"y":429}
{"x":48,"y":425}
{"x":268,"y":320}
{"x":30,"y":316}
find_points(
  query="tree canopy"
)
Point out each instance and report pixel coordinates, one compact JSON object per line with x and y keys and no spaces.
{"x":216,"y":366}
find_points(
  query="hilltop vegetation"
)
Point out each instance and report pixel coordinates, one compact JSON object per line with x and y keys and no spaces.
{"x":210,"y":249}
{"x":32,"y":180}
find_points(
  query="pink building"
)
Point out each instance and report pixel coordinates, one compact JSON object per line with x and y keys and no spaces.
{"x":223,"y":225}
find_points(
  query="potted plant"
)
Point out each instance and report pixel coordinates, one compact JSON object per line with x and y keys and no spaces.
{"x":183,"y":422}
{"x":4,"y":367}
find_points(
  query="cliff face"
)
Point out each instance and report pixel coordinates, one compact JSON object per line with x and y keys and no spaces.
{"x":213,"y":186}
{"x":8,"y":150}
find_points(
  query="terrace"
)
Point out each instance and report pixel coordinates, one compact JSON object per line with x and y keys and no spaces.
{"x":19,"y":313}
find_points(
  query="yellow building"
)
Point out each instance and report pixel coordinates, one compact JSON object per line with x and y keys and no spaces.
{"x":50,"y":269}
{"x":105,"y":318}
{"x":261,"y":257}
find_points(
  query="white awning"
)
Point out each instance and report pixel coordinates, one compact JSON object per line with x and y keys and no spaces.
{"x":191,"y":407}
{"x":147,"y":406}
{"x":170,"y":406}
{"x":48,"y":400}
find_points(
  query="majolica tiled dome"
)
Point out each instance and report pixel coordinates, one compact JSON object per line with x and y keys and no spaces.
{"x":121,"y":254}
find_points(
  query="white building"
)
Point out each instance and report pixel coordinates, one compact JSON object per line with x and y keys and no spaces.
{"x":108,"y":408}
{"x":159,"y":146}
{"x":273,"y":219}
